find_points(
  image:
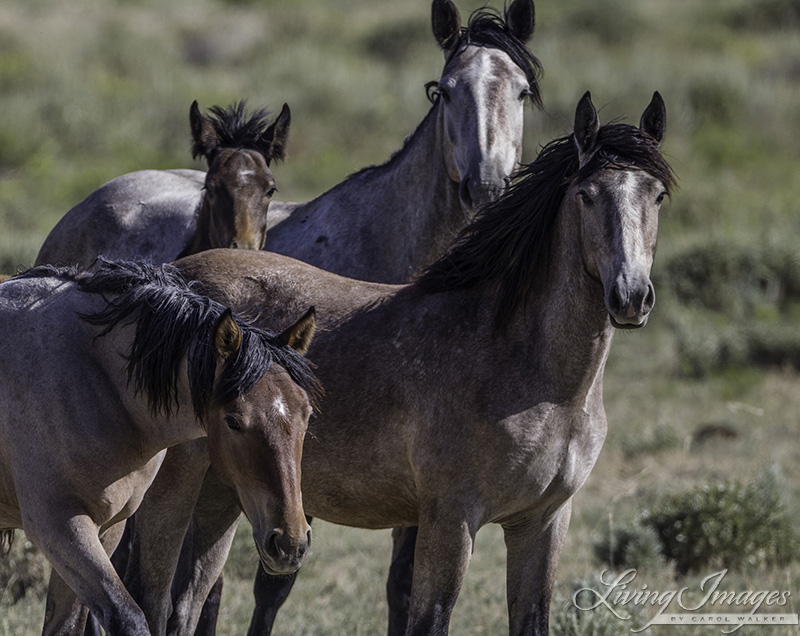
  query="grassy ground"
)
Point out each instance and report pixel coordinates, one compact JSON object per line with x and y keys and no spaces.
{"x":95,"y":88}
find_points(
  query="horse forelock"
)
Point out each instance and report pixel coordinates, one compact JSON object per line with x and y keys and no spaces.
{"x":509,"y":238}
{"x":173,"y":323}
{"x":238,"y":129}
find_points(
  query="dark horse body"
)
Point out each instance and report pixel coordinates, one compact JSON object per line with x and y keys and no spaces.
{"x":474,"y":395}
{"x":79,"y":446}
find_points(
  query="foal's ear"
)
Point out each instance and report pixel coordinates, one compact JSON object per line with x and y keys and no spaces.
{"x":299,"y":335}
{"x":654,"y":119}
{"x":204,"y":136}
{"x":227,"y":335}
{"x":586,"y":126}
{"x":277,"y":136}
{"x":446,"y":23}
{"x":520,"y":18}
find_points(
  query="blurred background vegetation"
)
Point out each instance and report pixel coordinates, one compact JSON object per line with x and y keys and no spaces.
{"x":701,"y":404}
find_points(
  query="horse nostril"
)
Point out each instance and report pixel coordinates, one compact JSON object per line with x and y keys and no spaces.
{"x":308,"y":538}
{"x":615,"y":301}
{"x":273,"y":545}
{"x":649,"y":299}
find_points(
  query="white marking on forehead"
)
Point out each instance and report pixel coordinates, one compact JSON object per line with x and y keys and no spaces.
{"x":280,"y":407}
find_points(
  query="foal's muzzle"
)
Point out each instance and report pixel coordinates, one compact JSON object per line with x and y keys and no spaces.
{"x":280,"y":553}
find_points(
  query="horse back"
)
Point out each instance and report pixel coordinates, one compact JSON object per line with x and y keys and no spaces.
{"x":147,"y":214}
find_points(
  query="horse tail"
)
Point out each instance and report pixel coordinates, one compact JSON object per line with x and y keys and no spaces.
{"x":6,"y":540}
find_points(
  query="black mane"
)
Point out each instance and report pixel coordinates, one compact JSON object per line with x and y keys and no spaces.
{"x":486,"y":27}
{"x":509,"y":237}
{"x":237,"y":129}
{"x":174,"y":322}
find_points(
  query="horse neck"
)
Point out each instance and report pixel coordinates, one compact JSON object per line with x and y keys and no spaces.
{"x":565,"y":325}
{"x":408,"y":207}
{"x":200,"y":241}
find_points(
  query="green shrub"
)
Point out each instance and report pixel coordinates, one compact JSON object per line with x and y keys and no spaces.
{"x":22,"y":571}
{"x":731,"y":525}
{"x":566,"y":619}
{"x":630,"y":546}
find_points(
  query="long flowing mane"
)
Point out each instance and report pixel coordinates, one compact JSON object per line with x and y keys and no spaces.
{"x":174,"y":322}
{"x":238,"y":129}
{"x":508,"y":239}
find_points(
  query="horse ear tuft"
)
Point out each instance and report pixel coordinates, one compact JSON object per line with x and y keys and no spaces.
{"x":520,"y":17}
{"x":446,"y":23}
{"x":227,"y":335}
{"x":205,"y":140}
{"x":276,"y":136}
{"x":299,"y":335}
{"x":586,"y":126}
{"x":654,"y":118}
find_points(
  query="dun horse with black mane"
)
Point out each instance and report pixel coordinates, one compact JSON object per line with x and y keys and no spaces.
{"x":474,"y":395}
{"x":101,"y":373}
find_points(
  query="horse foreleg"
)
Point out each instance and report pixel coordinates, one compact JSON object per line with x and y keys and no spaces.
{"x":443,"y":551}
{"x":398,"y":585}
{"x":159,"y":528}
{"x":532,"y":556}
{"x":82,"y":573}
{"x":214,"y":523}
{"x":270,"y":592}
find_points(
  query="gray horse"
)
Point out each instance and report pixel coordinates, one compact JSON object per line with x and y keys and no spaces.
{"x":474,"y":395}
{"x":162,"y":214}
{"x":101,"y":373}
{"x":384,"y":223}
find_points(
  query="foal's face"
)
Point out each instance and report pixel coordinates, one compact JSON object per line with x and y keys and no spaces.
{"x":256,"y":448}
{"x":238,"y":188}
{"x":619,"y":224}
{"x":482,"y":97}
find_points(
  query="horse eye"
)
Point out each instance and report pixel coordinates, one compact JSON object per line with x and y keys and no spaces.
{"x":444,"y":94}
{"x":233,"y":423}
{"x":660,"y":198}
{"x":526,"y":93}
{"x":270,"y":192}
{"x":585,"y":198}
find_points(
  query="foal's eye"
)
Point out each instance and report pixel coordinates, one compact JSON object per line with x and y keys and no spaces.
{"x":660,"y":198}
{"x":233,"y":423}
{"x":270,"y":192}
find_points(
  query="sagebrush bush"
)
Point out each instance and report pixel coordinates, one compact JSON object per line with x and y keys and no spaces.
{"x":630,"y":546}
{"x":730,"y":524}
{"x":23,"y":571}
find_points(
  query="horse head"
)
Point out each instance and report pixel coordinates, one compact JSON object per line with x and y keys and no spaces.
{"x":239,"y":184}
{"x":270,"y":420}
{"x":618,"y":201}
{"x":488,"y":74}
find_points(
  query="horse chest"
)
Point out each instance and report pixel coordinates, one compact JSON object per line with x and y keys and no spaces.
{"x":549,"y":454}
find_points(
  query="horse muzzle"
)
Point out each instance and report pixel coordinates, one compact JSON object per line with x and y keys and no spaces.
{"x":629,"y":305}
{"x":280,"y":553}
{"x":474,"y":193}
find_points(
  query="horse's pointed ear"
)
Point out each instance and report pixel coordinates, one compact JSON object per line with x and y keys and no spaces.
{"x":227,"y":335}
{"x":654,"y":118}
{"x":520,"y":18}
{"x":299,"y":335}
{"x":446,"y":23}
{"x":204,"y":136}
{"x":277,"y":136}
{"x":586,"y":126}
